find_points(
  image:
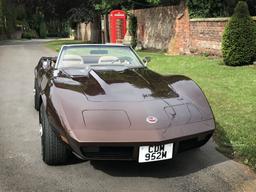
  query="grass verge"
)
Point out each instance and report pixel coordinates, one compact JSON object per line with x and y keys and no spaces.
{"x":56,"y":45}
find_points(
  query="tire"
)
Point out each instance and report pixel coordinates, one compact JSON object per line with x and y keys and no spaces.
{"x":54,"y":150}
{"x":36,"y":97}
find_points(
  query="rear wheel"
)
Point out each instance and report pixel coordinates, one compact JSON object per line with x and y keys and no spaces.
{"x":54,"y":150}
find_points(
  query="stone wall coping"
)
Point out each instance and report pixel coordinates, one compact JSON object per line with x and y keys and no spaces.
{"x":210,"y":19}
{"x":217,"y":19}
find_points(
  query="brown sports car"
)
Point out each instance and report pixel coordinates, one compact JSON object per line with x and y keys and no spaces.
{"x":101,"y":102}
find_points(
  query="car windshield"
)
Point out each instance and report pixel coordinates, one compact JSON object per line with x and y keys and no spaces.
{"x":98,"y":56}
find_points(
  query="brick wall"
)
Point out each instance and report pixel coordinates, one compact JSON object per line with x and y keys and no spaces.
{"x":180,"y":42}
{"x":206,"y":35}
{"x":197,"y":36}
{"x":156,"y":26}
{"x":170,"y":28}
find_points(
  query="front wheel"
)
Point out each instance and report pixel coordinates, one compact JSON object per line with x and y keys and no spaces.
{"x":54,"y":150}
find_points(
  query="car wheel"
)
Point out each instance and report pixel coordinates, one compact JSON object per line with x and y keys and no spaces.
{"x":54,"y":150}
{"x":36,"y":97}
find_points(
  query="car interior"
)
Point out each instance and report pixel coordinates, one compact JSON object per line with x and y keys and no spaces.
{"x":77,"y":60}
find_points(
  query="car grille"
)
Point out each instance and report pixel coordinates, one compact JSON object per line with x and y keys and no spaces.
{"x":192,"y":143}
{"x":108,"y":152}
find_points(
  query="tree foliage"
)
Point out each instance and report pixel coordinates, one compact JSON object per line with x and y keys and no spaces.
{"x":206,"y":8}
{"x":239,"y":39}
{"x":216,"y":8}
{"x":133,"y":30}
{"x":8,"y":17}
{"x":1,"y":18}
{"x":84,"y":13}
{"x":42,"y":30}
{"x":105,"y":6}
{"x":30,"y":13}
{"x":51,"y":12}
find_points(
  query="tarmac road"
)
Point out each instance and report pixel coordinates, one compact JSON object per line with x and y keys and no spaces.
{"x":21,"y":167}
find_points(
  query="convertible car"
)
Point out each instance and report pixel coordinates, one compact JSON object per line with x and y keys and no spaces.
{"x":102,"y":102}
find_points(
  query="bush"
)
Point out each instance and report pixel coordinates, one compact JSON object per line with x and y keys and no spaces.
{"x":133,"y":30}
{"x":56,"y":28}
{"x":64,"y":34}
{"x":42,"y":30}
{"x":208,"y":8}
{"x":31,"y":34}
{"x":239,"y":39}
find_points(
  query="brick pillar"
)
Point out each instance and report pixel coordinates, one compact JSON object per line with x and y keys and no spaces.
{"x":180,"y":43}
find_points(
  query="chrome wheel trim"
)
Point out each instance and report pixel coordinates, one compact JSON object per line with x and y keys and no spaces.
{"x":40,"y":129}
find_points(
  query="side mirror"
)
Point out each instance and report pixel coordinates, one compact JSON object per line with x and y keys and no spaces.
{"x":146,"y":60}
{"x":46,"y":64}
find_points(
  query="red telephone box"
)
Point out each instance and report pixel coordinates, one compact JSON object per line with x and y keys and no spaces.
{"x":117,"y":19}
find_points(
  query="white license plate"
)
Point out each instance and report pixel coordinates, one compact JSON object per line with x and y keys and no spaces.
{"x":155,"y":153}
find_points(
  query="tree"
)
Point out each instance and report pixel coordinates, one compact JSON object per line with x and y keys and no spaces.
{"x":133,"y":30}
{"x":56,"y":13}
{"x":9,"y":16}
{"x":105,"y":6}
{"x":239,"y":39}
{"x":216,"y":8}
{"x":42,"y":30}
{"x":82,"y":14}
{"x":86,"y":13}
{"x":1,"y":18}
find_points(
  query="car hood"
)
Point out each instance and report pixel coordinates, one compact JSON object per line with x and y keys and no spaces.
{"x":138,"y":84}
{"x":108,"y":105}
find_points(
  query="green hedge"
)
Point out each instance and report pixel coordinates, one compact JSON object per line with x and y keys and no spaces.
{"x":239,"y":39}
{"x":31,"y":34}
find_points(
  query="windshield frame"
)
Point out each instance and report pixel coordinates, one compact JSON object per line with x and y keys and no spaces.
{"x":57,"y":66}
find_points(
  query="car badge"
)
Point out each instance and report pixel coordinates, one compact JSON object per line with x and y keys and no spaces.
{"x":151,"y":119}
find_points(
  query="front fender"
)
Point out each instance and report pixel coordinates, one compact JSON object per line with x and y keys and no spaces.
{"x":53,"y":111}
{"x":190,"y":92}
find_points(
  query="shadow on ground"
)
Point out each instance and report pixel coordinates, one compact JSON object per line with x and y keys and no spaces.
{"x":183,"y":164}
{"x":224,"y":145}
